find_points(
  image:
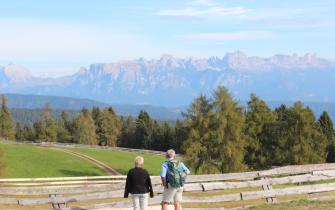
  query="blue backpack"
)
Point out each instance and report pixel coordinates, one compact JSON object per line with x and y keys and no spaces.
{"x":176,"y":175}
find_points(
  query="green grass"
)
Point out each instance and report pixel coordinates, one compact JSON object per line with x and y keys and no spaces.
{"x":26,"y":161}
{"x":298,"y":205}
{"x":122,"y":161}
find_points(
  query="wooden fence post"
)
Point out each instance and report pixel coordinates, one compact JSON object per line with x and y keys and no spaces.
{"x":268,"y":187}
{"x":56,"y":205}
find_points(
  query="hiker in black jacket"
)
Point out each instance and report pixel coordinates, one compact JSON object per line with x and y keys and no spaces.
{"x":138,"y":183}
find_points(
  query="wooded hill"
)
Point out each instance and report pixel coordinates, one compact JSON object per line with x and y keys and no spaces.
{"x":216,"y":134}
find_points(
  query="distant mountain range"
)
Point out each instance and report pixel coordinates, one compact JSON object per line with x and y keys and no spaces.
{"x":174,"y":82}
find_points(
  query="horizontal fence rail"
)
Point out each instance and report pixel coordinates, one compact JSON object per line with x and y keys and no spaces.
{"x":60,"y":192}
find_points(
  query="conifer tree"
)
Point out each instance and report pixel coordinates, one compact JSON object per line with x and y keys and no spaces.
{"x":63,"y":133}
{"x":127,"y":138}
{"x":40,"y":132}
{"x":85,"y":129}
{"x":199,"y":143}
{"x":228,"y":143}
{"x":108,"y":127}
{"x":49,"y":125}
{"x":295,"y":138}
{"x":144,"y":130}
{"x":6,"y":121}
{"x":19,"y":135}
{"x":29,"y":133}
{"x":258,"y":115}
{"x":327,"y":128}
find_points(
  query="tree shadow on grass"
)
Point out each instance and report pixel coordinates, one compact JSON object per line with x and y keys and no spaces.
{"x":78,"y":173}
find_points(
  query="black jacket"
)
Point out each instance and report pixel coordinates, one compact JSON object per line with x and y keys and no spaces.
{"x":138,"y":182}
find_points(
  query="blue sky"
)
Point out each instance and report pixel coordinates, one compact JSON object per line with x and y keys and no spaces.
{"x":55,"y":38}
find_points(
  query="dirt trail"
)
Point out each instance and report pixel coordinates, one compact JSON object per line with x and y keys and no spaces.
{"x":99,"y":164}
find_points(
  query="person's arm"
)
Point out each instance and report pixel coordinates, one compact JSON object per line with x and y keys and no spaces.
{"x":185,"y":169}
{"x":127,"y":186}
{"x":163,"y":175}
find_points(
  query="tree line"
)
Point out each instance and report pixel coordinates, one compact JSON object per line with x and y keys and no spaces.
{"x":216,"y":134}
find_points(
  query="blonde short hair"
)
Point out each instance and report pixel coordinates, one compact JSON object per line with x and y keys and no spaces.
{"x":139,"y":161}
{"x":170,"y":153}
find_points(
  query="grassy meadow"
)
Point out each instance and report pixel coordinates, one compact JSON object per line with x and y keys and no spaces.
{"x":122,"y":161}
{"x":26,"y":161}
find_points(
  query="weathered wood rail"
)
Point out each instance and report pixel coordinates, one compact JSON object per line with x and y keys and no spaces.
{"x":61,"y":193}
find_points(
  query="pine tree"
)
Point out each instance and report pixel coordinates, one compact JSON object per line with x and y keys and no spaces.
{"x":19,"y":135}
{"x":327,"y":129}
{"x":310,"y":144}
{"x":144,"y":130}
{"x":163,"y":136}
{"x":96,"y":114}
{"x":63,"y":134}
{"x":6,"y":121}
{"x":258,"y":116}
{"x":40,"y":132}
{"x":295,"y":138}
{"x":85,"y":129}
{"x":228,"y":144}
{"x":108,"y":127}
{"x":127,"y":138}
{"x":29,"y":133}
{"x":49,"y":125}
{"x":199,"y":143}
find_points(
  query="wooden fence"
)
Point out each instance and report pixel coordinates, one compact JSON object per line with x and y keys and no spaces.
{"x":107,"y":191}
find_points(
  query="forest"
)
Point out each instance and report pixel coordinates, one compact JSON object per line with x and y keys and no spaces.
{"x":215,"y":135}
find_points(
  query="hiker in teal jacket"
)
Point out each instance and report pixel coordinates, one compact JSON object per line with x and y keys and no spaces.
{"x":173,"y":177}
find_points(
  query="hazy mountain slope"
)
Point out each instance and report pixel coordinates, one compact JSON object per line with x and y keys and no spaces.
{"x":23,"y":104}
{"x":28,"y":108}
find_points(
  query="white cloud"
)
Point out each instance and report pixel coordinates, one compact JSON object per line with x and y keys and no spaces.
{"x":230,"y":36}
{"x":202,"y":13}
{"x":203,"y":9}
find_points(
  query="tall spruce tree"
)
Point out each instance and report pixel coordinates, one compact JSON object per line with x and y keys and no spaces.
{"x":108,"y":127}
{"x":310,"y":144}
{"x":198,"y":146}
{"x":144,"y":131}
{"x":295,"y":138}
{"x":327,"y":128}
{"x":6,"y":121}
{"x":258,"y":116}
{"x":29,"y":133}
{"x":228,"y":143}
{"x":49,"y":125}
{"x":127,"y":138}
{"x":19,"y":135}
{"x":84,"y":132}
{"x":63,"y":133}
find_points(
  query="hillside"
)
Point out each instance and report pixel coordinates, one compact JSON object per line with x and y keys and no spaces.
{"x":28,"y":108}
{"x":171,"y":81}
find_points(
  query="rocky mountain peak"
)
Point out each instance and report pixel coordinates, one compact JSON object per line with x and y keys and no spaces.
{"x":17,"y":73}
